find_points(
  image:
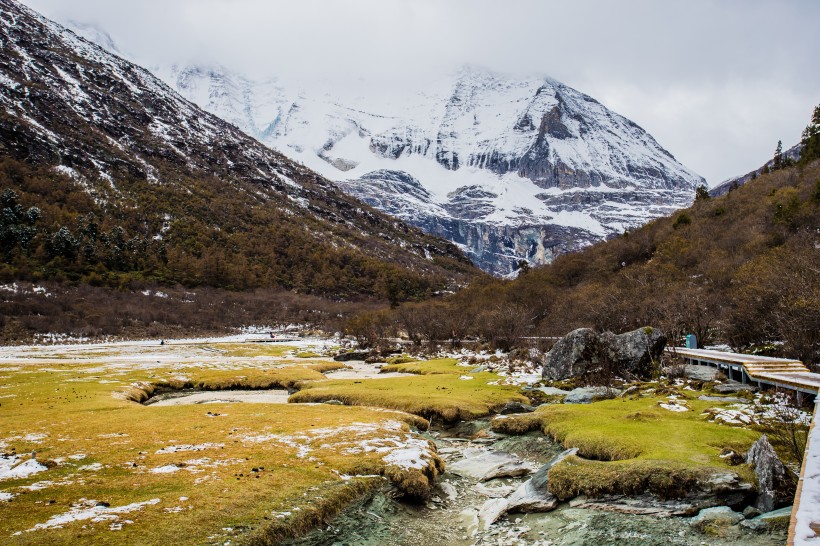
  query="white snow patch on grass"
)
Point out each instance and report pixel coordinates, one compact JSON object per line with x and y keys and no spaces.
{"x":88,"y":510}
{"x":189,"y":447}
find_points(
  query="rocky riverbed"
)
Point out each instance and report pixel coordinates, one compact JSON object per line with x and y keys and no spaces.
{"x":453,"y":515}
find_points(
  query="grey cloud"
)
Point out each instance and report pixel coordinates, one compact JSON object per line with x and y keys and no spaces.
{"x":716,"y":82}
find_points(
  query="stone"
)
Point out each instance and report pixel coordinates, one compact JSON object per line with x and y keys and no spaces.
{"x":334,"y":402}
{"x":552,"y":391}
{"x":469,"y":520}
{"x":638,"y":505}
{"x":449,"y":490}
{"x":733,"y":387}
{"x":490,"y":512}
{"x":572,"y":356}
{"x":774,"y":484}
{"x":511,"y":408}
{"x":478,"y":462}
{"x":586,"y":395}
{"x":715,"y":520}
{"x":532,"y":495}
{"x":494,"y":492}
{"x":776,"y":519}
{"x":583,"y":352}
{"x":751,"y":512}
{"x":355,"y":355}
{"x":726,"y":399}
{"x":512,"y":469}
{"x":700,"y":373}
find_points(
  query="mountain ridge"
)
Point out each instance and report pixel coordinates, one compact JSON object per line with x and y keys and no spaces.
{"x":127,"y":148}
{"x":554,"y":169}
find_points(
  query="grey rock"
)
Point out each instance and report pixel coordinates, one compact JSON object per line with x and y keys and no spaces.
{"x":477,"y":462}
{"x":751,"y":512}
{"x":733,"y":387}
{"x":774,"y":483}
{"x":449,"y":490}
{"x":355,"y":355}
{"x":334,"y":402}
{"x":499,"y":492}
{"x":776,"y":519}
{"x":726,"y":399}
{"x":639,"y":505}
{"x":586,"y":395}
{"x":512,"y":469}
{"x":583,"y":352}
{"x":701,"y":373}
{"x":711,"y":519}
{"x":490,"y":512}
{"x":532,"y":495}
{"x":511,"y":408}
{"x":552,"y":391}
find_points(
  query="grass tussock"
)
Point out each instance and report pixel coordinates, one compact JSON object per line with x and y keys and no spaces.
{"x":335,"y":498}
{"x":427,"y":367}
{"x":414,"y":483}
{"x":631,"y":446}
{"x":444,"y":397}
{"x":516,"y":424}
{"x":401,"y":359}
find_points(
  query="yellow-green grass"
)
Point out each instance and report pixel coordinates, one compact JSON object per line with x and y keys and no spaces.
{"x":307,"y":354}
{"x":401,"y":359}
{"x":73,"y":407}
{"x":428,"y":367}
{"x":446,"y":396}
{"x":633,"y":446}
{"x":250,"y":349}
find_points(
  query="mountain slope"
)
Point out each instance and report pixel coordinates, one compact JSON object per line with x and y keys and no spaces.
{"x":94,"y":140}
{"x":510,"y":168}
{"x":792,"y":154}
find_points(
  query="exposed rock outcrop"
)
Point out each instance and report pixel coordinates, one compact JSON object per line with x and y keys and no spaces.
{"x":774,"y":482}
{"x":584,"y":353}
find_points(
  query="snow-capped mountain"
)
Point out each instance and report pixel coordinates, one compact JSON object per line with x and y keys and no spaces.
{"x":143,"y":152}
{"x":507,"y":168}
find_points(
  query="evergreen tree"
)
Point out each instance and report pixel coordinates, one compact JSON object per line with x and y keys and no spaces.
{"x":702,"y":193}
{"x":811,"y":138}
{"x":778,"y":156}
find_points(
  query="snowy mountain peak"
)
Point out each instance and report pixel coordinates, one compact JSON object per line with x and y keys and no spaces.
{"x":507,"y":168}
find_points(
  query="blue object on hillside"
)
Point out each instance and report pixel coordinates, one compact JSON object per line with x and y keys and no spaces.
{"x":691,"y":341}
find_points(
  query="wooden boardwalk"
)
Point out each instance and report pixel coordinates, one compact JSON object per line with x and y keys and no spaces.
{"x":780,"y":373}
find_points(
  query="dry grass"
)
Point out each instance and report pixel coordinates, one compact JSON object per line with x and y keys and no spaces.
{"x":428,"y":367}
{"x":253,"y":465}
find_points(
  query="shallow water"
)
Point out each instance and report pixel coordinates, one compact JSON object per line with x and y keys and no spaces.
{"x":384,"y":521}
{"x":179,"y":398}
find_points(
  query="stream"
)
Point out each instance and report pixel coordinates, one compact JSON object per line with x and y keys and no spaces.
{"x":443,"y":520}
{"x":452,"y":519}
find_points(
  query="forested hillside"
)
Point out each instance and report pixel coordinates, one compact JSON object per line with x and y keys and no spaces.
{"x":742,"y":269}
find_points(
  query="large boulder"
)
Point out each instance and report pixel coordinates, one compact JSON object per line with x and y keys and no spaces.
{"x":584,"y":353}
{"x":574,"y":355}
{"x":774,"y":483}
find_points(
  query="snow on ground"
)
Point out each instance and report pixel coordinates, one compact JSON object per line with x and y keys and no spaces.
{"x":11,"y":468}
{"x":807,"y":514}
{"x":189,"y":447}
{"x":86,"y":509}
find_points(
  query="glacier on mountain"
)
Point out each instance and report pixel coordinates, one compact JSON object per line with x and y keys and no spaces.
{"x":506,"y":168}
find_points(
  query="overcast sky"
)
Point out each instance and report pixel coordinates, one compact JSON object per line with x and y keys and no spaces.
{"x":716,"y":82}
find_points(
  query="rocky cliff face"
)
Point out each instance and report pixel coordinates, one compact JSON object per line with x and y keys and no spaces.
{"x":512,"y":168}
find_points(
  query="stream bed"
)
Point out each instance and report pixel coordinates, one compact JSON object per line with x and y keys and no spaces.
{"x":452,"y":520}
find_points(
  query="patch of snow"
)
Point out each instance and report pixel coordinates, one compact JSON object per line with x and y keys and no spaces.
{"x":86,"y":509}
{"x":12,"y":469}
{"x":167,"y":469}
{"x":189,"y":447}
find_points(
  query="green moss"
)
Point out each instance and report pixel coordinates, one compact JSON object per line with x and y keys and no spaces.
{"x":401,"y":359}
{"x":428,"y":367}
{"x":442,"y":395}
{"x":629,"y":446}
